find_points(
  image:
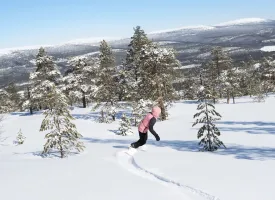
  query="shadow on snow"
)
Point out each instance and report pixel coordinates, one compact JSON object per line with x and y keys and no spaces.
{"x":238,"y":151}
{"x":258,"y":128}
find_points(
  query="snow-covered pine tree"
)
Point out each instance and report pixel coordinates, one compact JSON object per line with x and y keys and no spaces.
{"x":264,"y":79}
{"x":14,"y":96}
{"x":124,"y":88}
{"x":63,"y":135}
{"x":6,"y":105}
{"x":231,"y":83}
{"x":207,"y":115}
{"x":158,"y":71}
{"x":20,"y":138}
{"x":106,"y":94}
{"x":139,"y":39}
{"x":80,"y":80}
{"x":247,"y":76}
{"x":125,"y":126}
{"x":219,"y":61}
{"x":267,"y":74}
{"x":46,"y":75}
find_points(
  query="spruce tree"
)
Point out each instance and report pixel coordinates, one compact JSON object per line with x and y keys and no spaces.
{"x":207,"y":115}
{"x":63,"y":135}
{"x":105,"y":94}
{"x":20,"y":138}
{"x":125,"y":126}
{"x":158,"y":71}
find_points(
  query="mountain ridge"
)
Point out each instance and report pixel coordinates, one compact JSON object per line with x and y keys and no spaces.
{"x":254,"y":37}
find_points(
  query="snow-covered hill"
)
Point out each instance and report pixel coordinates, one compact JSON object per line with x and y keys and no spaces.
{"x":169,"y":169}
{"x":239,"y":38}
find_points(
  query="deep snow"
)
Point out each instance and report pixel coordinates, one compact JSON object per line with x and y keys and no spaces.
{"x":169,"y":169}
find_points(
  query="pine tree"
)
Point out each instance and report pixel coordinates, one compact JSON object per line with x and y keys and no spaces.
{"x":42,"y":80}
{"x":125,"y":126}
{"x":124,"y":87}
{"x":139,"y":39}
{"x":219,"y":62}
{"x":6,"y":105}
{"x":14,"y":96}
{"x":207,"y":115}
{"x":132,"y":64}
{"x":63,"y":135}
{"x":264,"y":78}
{"x":106,"y":82}
{"x":80,"y":80}
{"x":231,"y":82}
{"x":20,"y":138}
{"x":247,"y":76}
{"x":158,"y":71}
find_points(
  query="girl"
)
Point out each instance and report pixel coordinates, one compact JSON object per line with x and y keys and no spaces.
{"x":147,"y":124}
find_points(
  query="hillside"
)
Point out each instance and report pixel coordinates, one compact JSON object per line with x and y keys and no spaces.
{"x":240,"y":38}
{"x":172,"y":168}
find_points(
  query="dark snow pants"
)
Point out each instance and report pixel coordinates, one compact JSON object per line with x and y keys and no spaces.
{"x":142,"y":140}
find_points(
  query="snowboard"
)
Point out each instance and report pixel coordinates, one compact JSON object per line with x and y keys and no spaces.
{"x":132,"y":151}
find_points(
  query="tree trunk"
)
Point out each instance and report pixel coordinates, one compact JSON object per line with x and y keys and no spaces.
{"x":228,"y":98}
{"x":233,"y":97}
{"x":102,"y":115}
{"x":61,"y":148}
{"x":162,"y":107}
{"x":84,"y":100}
{"x":113,"y":116}
{"x":29,"y":97}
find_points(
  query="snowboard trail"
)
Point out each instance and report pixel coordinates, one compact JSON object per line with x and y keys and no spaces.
{"x":128,"y":162}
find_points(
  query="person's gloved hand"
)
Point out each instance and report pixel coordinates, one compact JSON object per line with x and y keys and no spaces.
{"x":157,"y":137}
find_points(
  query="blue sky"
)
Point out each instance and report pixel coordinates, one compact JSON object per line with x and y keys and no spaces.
{"x":42,"y":22}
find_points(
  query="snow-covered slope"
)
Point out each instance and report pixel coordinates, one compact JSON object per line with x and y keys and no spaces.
{"x":169,"y":169}
{"x":268,"y":48}
{"x":197,"y":28}
{"x":243,"y":21}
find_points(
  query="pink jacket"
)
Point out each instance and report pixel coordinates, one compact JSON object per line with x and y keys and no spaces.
{"x":144,"y":124}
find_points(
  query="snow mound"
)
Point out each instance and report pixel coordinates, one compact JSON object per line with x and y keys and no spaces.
{"x":242,"y":21}
{"x":268,"y":48}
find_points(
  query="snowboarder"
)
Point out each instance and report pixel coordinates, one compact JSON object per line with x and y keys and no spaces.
{"x":147,"y":124}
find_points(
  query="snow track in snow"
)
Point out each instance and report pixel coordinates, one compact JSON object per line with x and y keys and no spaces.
{"x":128,"y":162}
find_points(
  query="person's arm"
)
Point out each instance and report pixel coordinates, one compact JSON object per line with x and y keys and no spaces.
{"x":151,"y":129}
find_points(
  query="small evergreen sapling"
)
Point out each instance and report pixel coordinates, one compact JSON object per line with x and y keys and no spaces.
{"x":63,"y":135}
{"x":20,"y":139}
{"x":125,"y":126}
{"x":207,"y":115}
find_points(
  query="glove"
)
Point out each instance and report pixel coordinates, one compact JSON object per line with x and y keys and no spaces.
{"x":157,"y":137}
